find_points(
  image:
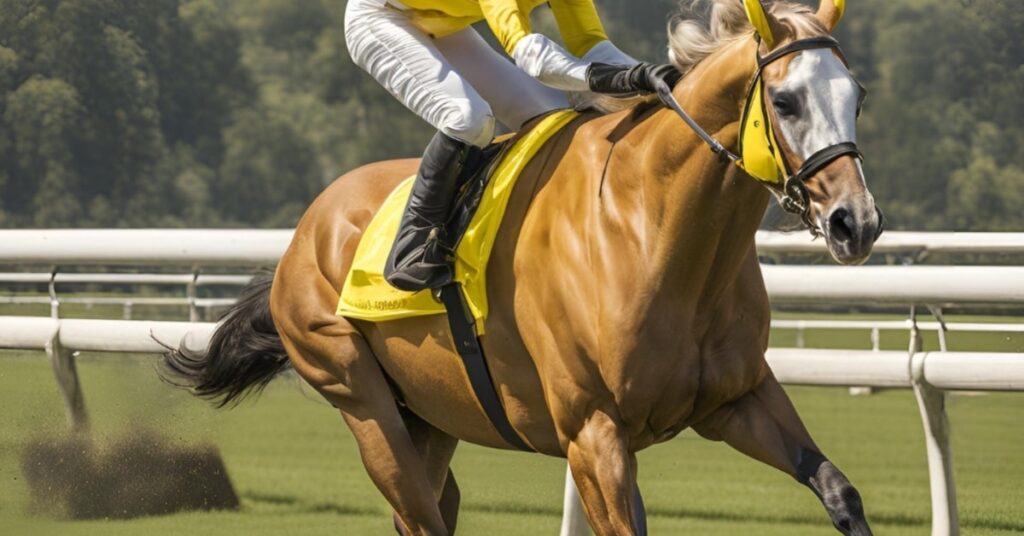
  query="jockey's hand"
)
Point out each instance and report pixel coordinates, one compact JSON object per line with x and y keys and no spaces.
{"x":624,"y":81}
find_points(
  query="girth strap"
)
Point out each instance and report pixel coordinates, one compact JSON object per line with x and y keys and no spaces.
{"x":460,"y":320}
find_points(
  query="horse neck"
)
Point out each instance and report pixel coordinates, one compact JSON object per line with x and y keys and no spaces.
{"x":699,"y":213}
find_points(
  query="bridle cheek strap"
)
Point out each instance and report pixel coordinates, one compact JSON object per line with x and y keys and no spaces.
{"x":796,"y":199}
{"x":790,"y":187}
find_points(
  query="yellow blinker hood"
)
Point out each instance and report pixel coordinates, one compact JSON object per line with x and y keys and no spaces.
{"x":760,"y":155}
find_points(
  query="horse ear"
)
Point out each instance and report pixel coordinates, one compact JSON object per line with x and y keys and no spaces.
{"x":830,"y":11}
{"x":765,"y":24}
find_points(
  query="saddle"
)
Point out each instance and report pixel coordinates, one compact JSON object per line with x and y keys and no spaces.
{"x":483,"y":194}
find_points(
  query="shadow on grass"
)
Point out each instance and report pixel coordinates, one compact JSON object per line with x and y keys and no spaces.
{"x":309,"y":508}
{"x":897,"y":520}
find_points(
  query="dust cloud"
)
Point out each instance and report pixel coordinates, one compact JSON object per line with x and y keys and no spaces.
{"x":140,"y":474}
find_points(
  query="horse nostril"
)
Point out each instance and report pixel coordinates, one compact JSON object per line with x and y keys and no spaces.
{"x":841,"y":224}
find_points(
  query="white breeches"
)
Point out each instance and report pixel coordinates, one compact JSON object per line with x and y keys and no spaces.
{"x":457,"y":83}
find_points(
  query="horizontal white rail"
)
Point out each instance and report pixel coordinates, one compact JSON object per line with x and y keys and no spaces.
{"x":132,"y":336}
{"x":241,"y":247}
{"x":264,"y":247}
{"x":972,"y":371}
{"x":116,"y":300}
{"x":124,"y":279}
{"x":935,"y":285}
{"x":890,"y":325}
{"x":976,"y":371}
{"x":771,"y":243}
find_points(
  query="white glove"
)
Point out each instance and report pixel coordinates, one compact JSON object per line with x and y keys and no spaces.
{"x":606,"y":52}
{"x":551,"y":64}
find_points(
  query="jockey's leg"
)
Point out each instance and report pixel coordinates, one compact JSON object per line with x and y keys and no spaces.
{"x":407,"y":62}
{"x":764,"y":425}
{"x":515,"y":96}
{"x":605,"y":474}
{"x":421,"y":256}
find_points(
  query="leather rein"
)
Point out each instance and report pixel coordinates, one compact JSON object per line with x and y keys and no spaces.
{"x":790,"y":189}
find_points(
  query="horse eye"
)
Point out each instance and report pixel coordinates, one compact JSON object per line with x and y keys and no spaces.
{"x":785,"y":105}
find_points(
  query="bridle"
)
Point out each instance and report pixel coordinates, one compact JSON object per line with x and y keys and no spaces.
{"x":766,"y":163}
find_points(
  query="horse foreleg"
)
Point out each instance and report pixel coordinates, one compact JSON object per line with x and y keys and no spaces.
{"x":764,"y":425}
{"x":605,"y":473}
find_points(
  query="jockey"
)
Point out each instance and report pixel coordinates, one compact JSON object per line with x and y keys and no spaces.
{"x":425,"y":53}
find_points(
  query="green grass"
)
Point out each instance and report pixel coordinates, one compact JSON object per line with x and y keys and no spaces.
{"x":297,"y":471}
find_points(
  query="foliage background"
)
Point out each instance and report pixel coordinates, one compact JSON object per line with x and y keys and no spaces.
{"x":172,"y":113}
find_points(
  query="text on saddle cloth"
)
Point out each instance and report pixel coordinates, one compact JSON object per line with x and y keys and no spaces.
{"x":366,"y":295}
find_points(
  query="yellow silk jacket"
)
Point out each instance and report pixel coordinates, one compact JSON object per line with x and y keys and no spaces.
{"x":577,"y":20}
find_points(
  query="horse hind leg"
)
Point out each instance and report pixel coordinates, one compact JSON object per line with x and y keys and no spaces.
{"x":436,"y":449}
{"x":764,"y":425}
{"x":337,"y":362}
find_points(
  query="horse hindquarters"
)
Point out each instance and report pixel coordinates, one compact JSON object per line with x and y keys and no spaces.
{"x":408,"y":462}
{"x":405,"y":458}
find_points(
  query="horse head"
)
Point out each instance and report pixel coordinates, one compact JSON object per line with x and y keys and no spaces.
{"x":811,"y":102}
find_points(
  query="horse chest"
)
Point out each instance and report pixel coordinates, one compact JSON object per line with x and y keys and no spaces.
{"x":663,"y":389}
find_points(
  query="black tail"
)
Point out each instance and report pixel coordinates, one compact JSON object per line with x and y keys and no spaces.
{"x":245,"y":352}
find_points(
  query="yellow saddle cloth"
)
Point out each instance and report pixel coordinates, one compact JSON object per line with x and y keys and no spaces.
{"x":368,"y":296}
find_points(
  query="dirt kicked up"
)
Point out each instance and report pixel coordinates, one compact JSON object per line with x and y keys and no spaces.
{"x":141,"y":474}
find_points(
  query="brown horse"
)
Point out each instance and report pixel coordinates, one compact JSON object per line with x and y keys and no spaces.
{"x":626,"y":299}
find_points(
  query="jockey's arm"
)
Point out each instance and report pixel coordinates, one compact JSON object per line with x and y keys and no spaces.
{"x":584,"y":35}
{"x":551,"y":64}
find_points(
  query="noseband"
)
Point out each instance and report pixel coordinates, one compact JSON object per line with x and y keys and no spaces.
{"x":760,"y":155}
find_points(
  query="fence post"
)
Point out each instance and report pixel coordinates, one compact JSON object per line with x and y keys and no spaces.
{"x":932,"y":404}
{"x":193,"y":310}
{"x":66,"y":372}
{"x":876,"y":345}
{"x":52,"y":290}
{"x":574,"y":521}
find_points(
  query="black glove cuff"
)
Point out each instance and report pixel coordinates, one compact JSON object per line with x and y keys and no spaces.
{"x":608,"y":79}
{"x":621,"y":80}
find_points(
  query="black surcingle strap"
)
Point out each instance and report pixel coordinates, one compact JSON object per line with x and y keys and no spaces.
{"x":463,"y":327}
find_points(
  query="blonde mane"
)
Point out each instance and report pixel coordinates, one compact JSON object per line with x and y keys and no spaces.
{"x":700,"y":27}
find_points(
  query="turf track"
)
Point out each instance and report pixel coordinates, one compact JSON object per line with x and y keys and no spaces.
{"x":297,"y":470}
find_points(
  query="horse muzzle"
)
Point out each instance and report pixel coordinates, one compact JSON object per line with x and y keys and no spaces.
{"x":851,"y":229}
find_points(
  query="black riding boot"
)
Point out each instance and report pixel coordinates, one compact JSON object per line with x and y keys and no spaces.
{"x":421,"y":257}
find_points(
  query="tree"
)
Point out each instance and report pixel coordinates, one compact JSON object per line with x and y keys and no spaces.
{"x":269,"y":170}
{"x":214,"y":112}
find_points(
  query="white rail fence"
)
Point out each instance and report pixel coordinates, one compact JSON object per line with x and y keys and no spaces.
{"x":198,"y":249}
{"x":929,"y":374}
